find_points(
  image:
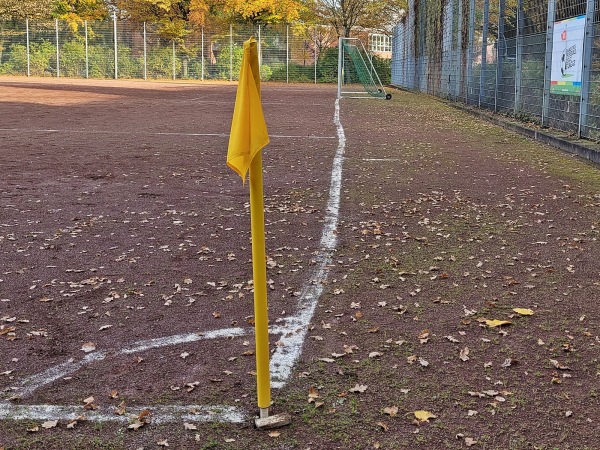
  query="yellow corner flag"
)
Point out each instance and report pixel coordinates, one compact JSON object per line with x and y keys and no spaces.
{"x":248,"y":128}
{"x":248,"y":136}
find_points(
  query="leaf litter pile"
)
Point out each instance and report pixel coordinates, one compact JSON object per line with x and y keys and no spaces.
{"x":461,"y":309}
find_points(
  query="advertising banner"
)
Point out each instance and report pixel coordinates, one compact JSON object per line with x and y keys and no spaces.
{"x":567,"y":56}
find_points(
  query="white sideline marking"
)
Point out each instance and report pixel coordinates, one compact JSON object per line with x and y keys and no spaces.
{"x":159,"y":414}
{"x":296,"y":327}
{"x":165,"y":133}
{"x":293,"y":334}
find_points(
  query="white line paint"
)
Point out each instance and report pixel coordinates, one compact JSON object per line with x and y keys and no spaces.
{"x":295,"y":329}
{"x":382,"y":159}
{"x":148,"y":344}
{"x":145,"y":133}
{"x":159,"y":414}
{"x":30,"y":384}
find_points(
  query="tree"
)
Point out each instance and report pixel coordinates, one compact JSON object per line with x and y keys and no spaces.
{"x":174,"y":16}
{"x":19,"y":9}
{"x":343,"y":15}
{"x":170,"y":15}
{"x":75,"y":12}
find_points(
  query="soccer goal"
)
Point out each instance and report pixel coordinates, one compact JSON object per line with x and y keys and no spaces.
{"x":357,"y":76}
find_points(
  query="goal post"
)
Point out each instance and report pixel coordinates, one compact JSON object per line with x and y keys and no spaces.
{"x":357,"y":76}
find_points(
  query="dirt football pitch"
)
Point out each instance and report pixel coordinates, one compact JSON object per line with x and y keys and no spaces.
{"x":434,"y":280}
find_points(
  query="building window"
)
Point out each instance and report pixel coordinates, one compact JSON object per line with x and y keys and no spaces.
{"x":380,"y":43}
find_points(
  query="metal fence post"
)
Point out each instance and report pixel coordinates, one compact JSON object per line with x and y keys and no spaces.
{"x":87,"y":56}
{"x":115,"y":42}
{"x":259,"y":49}
{"x":287,"y":53}
{"x":470,"y":49}
{"x":448,"y":24}
{"x":202,"y":55}
{"x":458,"y":52}
{"x":588,"y":45}
{"x":340,"y":68}
{"x":315,"y":52}
{"x":422,"y":86}
{"x":484,"y":36}
{"x":411,"y":46}
{"x":548,"y":60}
{"x":230,"y":52}
{"x":519,"y":56}
{"x":500,"y":43}
{"x":28,"y":57}
{"x":145,"y":55}
{"x":57,"y":51}
{"x":174,"y":75}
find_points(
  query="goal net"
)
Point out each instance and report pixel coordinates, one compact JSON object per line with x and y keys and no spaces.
{"x":357,"y":76}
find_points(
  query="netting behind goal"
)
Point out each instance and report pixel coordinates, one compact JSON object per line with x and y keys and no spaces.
{"x":357,"y":76}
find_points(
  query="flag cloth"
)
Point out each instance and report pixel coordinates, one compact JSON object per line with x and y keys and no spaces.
{"x":248,"y":128}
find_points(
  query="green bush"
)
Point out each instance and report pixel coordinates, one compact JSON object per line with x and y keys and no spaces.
{"x":129,"y":66}
{"x":265,"y":72}
{"x":327,"y":66}
{"x":101,"y":61}
{"x":159,"y":63}
{"x":223,"y":61}
{"x":72,"y":59}
{"x":294,"y":72}
{"x":383,"y":67}
{"x":42,"y":59}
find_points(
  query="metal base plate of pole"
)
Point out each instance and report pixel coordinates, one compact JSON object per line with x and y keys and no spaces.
{"x":266,"y":422}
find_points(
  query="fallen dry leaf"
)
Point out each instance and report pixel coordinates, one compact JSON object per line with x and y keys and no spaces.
{"x":275,"y":434}
{"x":359,"y":388}
{"x":424,"y":416}
{"x":496,"y":323}
{"x":50,"y":424}
{"x":189,"y":426}
{"x":390,"y":410}
{"x":464,"y":354}
{"x":312,"y":394}
{"x":470,"y":441}
{"x":136,"y":425}
{"x":162,"y":443}
{"x":558,"y":365}
{"x":144,"y":415}
{"x":382,"y":425}
{"x":88,"y":347}
{"x":523,"y":311}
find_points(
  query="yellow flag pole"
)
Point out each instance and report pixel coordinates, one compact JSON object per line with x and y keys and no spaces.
{"x":248,"y":136}
{"x":259,"y":269}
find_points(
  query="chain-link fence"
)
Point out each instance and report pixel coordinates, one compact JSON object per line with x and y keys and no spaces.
{"x":123,"y":49}
{"x":538,"y":60}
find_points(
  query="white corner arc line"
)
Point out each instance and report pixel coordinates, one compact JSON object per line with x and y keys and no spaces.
{"x":295,"y":329}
